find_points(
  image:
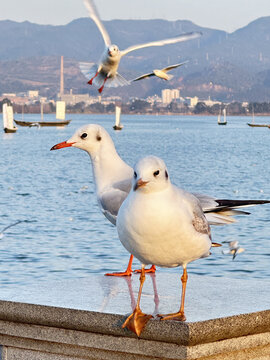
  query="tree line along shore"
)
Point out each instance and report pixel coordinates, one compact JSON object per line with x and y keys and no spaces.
{"x":143,"y":107}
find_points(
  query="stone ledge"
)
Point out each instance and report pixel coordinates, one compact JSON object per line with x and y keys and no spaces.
{"x":88,"y":345}
{"x":188,"y":333}
{"x":35,"y":327}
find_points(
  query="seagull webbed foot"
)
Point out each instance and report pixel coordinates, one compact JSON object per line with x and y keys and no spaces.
{"x":148,"y":271}
{"x":101,"y":89}
{"x":137,"y":321}
{"x":124,"y":273}
{"x":179,"y":316}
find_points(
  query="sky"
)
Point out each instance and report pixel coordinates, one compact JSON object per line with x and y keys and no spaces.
{"x":228,"y":15}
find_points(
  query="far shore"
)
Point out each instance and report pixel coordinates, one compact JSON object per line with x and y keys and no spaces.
{"x":147,"y":114}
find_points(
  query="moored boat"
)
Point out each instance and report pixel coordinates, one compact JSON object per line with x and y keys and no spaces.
{"x":224,"y":122}
{"x":8,"y":123}
{"x":42,"y":123}
{"x":118,"y":125}
{"x":60,"y":114}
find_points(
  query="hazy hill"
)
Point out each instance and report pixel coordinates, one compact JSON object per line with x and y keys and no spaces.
{"x":225,"y":66}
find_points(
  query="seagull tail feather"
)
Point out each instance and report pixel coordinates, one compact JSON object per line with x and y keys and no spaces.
{"x":117,"y":80}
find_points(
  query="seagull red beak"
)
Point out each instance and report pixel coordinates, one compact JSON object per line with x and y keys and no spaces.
{"x":62,"y":145}
{"x":140,"y":183}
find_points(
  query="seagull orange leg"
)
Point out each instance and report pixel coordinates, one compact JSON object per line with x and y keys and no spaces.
{"x":147,"y":271}
{"x":128,"y":271}
{"x":102,"y":87}
{"x":180,"y":315}
{"x":137,"y":320}
{"x":90,"y":82}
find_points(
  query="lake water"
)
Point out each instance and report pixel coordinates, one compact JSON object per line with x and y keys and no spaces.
{"x":64,"y":235}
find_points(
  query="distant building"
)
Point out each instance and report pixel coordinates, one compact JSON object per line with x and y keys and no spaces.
{"x":72,"y":99}
{"x":155,"y":99}
{"x":210,"y":102}
{"x":168,"y":95}
{"x":8,"y":95}
{"x":109,"y":100}
{"x":192,"y":101}
{"x":33,"y":93}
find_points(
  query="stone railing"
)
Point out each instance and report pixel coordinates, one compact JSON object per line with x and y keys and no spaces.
{"x":226,"y":319}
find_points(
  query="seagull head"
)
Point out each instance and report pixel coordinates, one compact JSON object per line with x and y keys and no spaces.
{"x":113,"y":50}
{"x":90,"y":138}
{"x":150,"y":175}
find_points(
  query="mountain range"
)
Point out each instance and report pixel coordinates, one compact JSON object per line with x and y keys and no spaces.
{"x":224,"y":66}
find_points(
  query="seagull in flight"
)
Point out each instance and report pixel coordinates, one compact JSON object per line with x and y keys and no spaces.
{"x":234,"y":248}
{"x":161,"y":73}
{"x":9,"y":226}
{"x":105,"y":72}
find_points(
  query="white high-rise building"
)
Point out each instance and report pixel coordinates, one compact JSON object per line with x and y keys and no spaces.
{"x":170,"y":94}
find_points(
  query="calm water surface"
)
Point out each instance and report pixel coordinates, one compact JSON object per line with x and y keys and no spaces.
{"x":65,"y":235}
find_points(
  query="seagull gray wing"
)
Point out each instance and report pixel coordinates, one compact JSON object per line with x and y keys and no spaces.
{"x":112,"y":198}
{"x":9,"y":226}
{"x":168,"y":68}
{"x":95,"y":17}
{"x":143,"y":76}
{"x":180,"y":38}
{"x":199,"y":220}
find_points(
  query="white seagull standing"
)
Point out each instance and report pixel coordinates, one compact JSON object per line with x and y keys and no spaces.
{"x":112,"y":175}
{"x":106,"y":70}
{"x":113,"y":181}
{"x":163,"y":225}
{"x":161,"y":73}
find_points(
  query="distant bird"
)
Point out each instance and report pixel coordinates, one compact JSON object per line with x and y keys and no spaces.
{"x":162,"y":73}
{"x":9,"y":226}
{"x":105,"y":72}
{"x":234,"y":248}
{"x":113,"y":181}
{"x":161,"y":224}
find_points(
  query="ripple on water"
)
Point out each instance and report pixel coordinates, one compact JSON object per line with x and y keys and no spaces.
{"x":65,"y":236}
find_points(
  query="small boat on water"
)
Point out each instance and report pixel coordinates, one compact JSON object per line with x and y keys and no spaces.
{"x":253,"y":124}
{"x":42,"y":123}
{"x":60,"y":117}
{"x":8,"y":118}
{"x":258,"y":125}
{"x":118,"y":125}
{"x":224,"y":122}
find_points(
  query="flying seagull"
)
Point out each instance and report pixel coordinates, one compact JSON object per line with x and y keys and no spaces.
{"x":234,"y":248}
{"x":161,"y":73}
{"x":105,"y":72}
{"x":9,"y":226}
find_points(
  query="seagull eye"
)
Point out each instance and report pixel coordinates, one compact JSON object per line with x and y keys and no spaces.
{"x":166,"y":174}
{"x":98,"y":138}
{"x":135,"y":175}
{"x":83,"y":136}
{"x":156,"y":173}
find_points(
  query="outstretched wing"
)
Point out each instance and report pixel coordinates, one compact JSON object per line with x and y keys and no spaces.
{"x":95,"y":17}
{"x":9,"y":226}
{"x":88,"y":69}
{"x":168,"y":68}
{"x":183,"y":37}
{"x":143,"y":76}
